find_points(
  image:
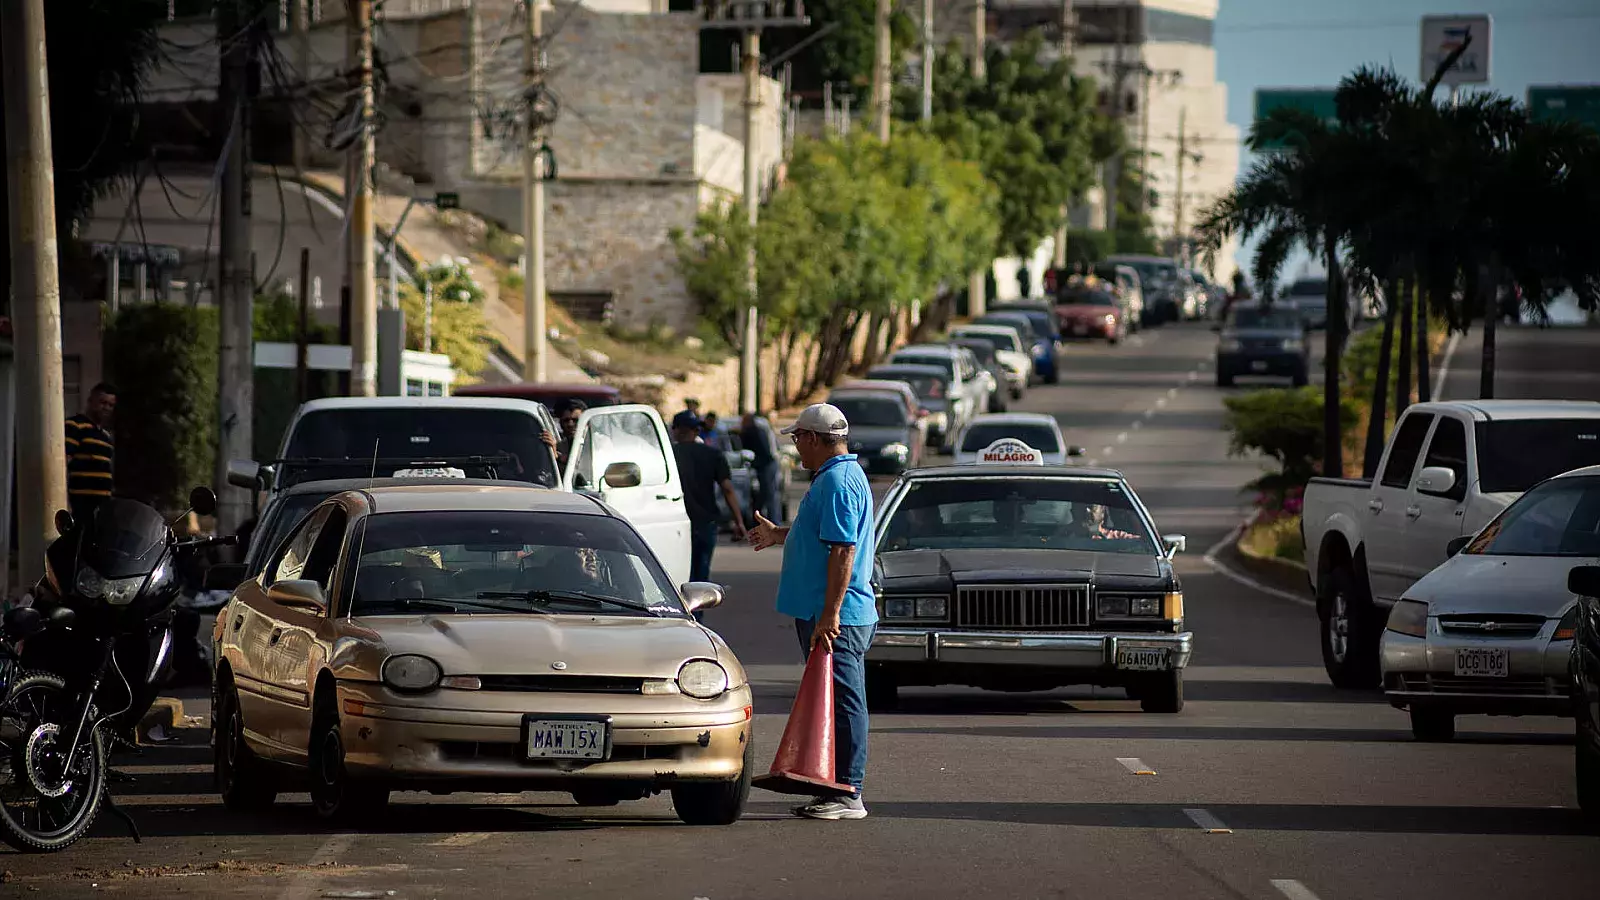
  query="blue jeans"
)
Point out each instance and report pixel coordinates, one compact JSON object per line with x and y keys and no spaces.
{"x":768,"y":499}
{"x":702,"y":543}
{"x":849,"y":697}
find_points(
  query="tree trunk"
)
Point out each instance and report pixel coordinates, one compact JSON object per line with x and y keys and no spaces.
{"x":1491,"y":314}
{"x":1402,"y":382}
{"x":1424,"y":389}
{"x":1333,"y":349}
{"x":1378,"y":423}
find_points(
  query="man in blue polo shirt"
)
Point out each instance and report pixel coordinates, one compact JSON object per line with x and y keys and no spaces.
{"x":826,"y":585}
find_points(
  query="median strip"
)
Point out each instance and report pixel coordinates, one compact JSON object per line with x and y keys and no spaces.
{"x":1292,"y":889}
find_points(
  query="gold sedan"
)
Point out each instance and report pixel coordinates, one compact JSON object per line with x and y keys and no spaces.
{"x":481,"y":638}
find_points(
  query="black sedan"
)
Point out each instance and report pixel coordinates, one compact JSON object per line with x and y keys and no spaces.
{"x":1262,"y":340}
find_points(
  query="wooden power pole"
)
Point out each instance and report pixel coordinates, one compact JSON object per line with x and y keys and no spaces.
{"x":1069,"y":24}
{"x":41,"y":466}
{"x":977,"y":284}
{"x":236,"y":281}
{"x":882,"y":77}
{"x":358,"y":186}
{"x":535,"y":366}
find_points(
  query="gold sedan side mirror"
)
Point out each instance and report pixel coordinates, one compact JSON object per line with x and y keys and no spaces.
{"x":701,"y":595}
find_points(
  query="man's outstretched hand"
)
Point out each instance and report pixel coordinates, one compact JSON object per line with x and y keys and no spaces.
{"x":764,"y":534}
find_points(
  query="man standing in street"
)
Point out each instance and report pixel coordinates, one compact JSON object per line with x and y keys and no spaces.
{"x":704,"y":471}
{"x":91,"y":452}
{"x":826,"y":586}
{"x":758,"y":440}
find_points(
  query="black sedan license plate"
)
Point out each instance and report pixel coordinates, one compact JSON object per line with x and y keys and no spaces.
{"x":1142,"y":659}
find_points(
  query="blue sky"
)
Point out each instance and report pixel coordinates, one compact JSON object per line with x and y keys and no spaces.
{"x":1312,"y":43}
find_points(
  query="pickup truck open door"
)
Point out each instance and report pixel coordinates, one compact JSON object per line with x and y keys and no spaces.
{"x":609,"y":436}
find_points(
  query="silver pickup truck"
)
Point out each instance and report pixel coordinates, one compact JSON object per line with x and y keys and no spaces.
{"x":1449,"y":468}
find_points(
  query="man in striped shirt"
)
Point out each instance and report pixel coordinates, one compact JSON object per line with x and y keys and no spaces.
{"x":90,"y":451}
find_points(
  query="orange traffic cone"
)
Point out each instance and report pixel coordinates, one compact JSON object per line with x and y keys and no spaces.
{"x":804,"y":764}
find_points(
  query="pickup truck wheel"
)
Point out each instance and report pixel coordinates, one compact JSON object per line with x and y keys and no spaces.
{"x":883,"y":690}
{"x":1432,"y":725}
{"x":1163,"y":693}
{"x":1349,"y":640}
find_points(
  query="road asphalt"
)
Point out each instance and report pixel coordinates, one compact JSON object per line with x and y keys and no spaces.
{"x":1270,"y":784}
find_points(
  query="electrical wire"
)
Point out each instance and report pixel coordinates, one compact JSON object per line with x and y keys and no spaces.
{"x":283,"y":230}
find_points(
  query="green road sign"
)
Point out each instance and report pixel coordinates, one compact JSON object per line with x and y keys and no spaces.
{"x":1316,"y":101}
{"x":447,"y":200}
{"x":1575,"y":103}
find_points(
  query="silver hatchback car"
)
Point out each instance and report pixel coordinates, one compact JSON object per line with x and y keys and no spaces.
{"x":1490,"y":630}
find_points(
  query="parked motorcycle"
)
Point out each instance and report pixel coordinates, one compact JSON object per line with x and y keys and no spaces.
{"x":82,"y":664}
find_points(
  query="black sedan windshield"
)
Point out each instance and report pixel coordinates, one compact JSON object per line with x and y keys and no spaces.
{"x":1020,"y":514}
{"x":476,"y":561}
{"x":1267,"y":319}
{"x":1558,"y":518}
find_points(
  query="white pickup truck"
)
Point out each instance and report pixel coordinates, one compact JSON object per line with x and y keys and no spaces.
{"x":623,"y":454}
{"x":1449,"y":468}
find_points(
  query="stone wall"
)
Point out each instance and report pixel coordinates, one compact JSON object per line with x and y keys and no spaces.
{"x":614,"y":236}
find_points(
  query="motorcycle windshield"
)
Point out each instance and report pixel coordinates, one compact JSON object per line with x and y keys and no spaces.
{"x":123,"y":538}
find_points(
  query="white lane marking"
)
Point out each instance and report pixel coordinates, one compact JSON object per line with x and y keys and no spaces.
{"x":1230,"y":573}
{"x":1138,"y":424}
{"x":1192,"y":376}
{"x":1172,"y":392}
{"x":1122,"y":437}
{"x":302,"y":886}
{"x":1160,"y":402}
{"x":1208,"y":823}
{"x":1135,"y":765}
{"x":1148,"y":413}
{"x":464,"y":839}
{"x":1444,"y":366}
{"x":1093,"y":462}
{"x":1107,"y":451}
{"x":1292,"y":889}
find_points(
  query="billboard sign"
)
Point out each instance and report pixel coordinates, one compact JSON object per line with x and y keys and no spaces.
{"x":1579,"y":104}
{"x":1443,"y":35}
{"x":1316,"y":101}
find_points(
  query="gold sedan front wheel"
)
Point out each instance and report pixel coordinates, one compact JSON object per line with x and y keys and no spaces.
{"x":717,"y":803}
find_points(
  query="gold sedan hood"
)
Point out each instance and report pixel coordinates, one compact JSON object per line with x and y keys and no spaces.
{"x":623,"y":646}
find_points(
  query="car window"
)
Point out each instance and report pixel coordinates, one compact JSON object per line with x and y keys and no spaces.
{"x":871,"y":412}
{"x":1516,"y":454}
{"x":497,"y":561}
{"x":1267,"y":319}
{"x":982,"y":434}
{"x":917,"y":359}
{"x":1405,"y":449}
{"x":615,"y":437}
{"x":1007,"y":513}
{"x":1560,"y":517}
{"x":1448,"y":448}
{"x":291,"y":561}
{"x":285,"y":515}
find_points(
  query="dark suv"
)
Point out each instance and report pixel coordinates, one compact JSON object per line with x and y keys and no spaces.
{"x":1262,"y":340}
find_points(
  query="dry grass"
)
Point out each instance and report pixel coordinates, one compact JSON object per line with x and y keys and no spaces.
{"x":1277,"y":538}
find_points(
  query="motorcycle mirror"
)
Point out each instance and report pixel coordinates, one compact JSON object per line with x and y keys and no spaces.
{"x":203,"y":501}
{"x":63,"y":521}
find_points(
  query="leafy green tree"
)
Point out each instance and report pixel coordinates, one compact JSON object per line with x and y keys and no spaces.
{"x":1030,"y":124}
{"x":458,"y":328}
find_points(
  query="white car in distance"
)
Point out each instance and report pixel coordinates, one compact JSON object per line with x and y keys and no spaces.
{"x":1008,"y":349}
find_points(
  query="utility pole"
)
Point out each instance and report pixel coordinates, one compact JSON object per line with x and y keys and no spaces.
{"x":1069,"y":25}
{"x":882,"y":80}
{"x":977,"y":286}
{"x":750,"y":17}
{"x":41,"y":463}
{"x":534,"y":331}
{"x":927,"y":60}
{"x":236,"y":300}
{"x":300,"y":22}
{"x":1119,"y":76}
{"x":358,"y":185}
{"x":1184,"y":153}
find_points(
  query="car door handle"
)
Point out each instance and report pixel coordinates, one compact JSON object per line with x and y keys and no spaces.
{"x":277,"y":635}
{"x":1375,"y":505}
{"x":1413,"y":511}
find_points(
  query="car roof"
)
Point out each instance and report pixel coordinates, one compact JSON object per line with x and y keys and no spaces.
{"x":873,"y":386}
{"x":1015,"y":418}
{"x":1581,"y":473}
{"x":494,"y":496}
{"x":532,"y":391}
{"x":983,"y":328}
{"x":505,"y":403}
{"x":927,"y":349}
{"x":885,"y":394}
{"x":340,"y":485}
{"x":908,"y":369}
{"x":1020,"y":306}
{"x":1511,"y":410}
{"x":972,"y":471}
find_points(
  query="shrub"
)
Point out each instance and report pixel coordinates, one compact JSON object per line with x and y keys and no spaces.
{"x":1285,"y":424}
{"x":163,"y":359}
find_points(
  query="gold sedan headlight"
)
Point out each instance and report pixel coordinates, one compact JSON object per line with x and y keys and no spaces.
{"x":703,"y":679}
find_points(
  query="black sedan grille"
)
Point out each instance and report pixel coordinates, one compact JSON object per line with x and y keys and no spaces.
{"x":1022,"y":606}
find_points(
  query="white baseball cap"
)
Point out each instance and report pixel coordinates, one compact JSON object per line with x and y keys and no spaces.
{"x":821,"y":418}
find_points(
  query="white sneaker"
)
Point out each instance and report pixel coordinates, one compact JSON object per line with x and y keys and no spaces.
{"x":834,"y":809}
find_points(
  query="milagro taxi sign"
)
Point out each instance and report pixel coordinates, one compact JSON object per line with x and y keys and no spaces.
{"x":1008,"y":451}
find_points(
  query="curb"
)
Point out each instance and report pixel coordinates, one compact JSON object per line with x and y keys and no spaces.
{"x":1275,"y":578}
{"x":167,"y":714}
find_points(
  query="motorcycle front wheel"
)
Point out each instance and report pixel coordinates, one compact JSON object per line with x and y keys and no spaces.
{"x":44,"y":807}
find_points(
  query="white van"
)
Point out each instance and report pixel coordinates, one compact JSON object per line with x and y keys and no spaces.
{"x":489,"y":437}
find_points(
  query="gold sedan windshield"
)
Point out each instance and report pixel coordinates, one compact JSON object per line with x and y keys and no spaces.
{"x":502,"y":561}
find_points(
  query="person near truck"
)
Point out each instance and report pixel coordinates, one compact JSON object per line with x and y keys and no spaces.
{"x":825,"y":586}
{"x":91,"y":452}
{"x":764,"y":459}
{"x":704,"y":471}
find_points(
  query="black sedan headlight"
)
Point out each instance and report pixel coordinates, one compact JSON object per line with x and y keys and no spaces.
{"x":1150,"y":606}
{"x":911,"y":609}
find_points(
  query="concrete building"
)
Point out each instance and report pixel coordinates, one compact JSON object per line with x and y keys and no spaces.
{"x":642,"y":141}
{"x":1160,"y":57}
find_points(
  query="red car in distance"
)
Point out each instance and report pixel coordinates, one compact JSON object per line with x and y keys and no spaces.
{"x":1090,"y":311}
